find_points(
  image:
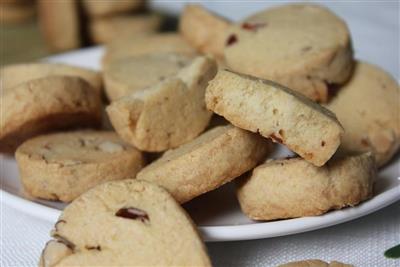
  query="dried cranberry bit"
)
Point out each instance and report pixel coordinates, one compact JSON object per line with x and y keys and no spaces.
{"x":253,"y":26}
{"x":133,"y":213}
{"x":93,"y":248}
{"x":65,"y":241}
{"x":322,"y":143}
{"x":231,"y":40}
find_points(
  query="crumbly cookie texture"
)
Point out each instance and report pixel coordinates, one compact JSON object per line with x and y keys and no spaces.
{"x":121,"y":223}
{"x":167,"y":115}
{"x":47,"y":104}
{"x":96,"y":8}
{"x":209,"y":161}
{"x":67,"y":19}
{"x":16,"y":74}
{"x":203,"y":29}
{"x":132,"y":74}
{"x":368,"y":108}
{"x":291,"y":188}
{"x":303,"y":46}
{"x":104,"y":30}
{"x":147,"y":44}
{"x":315,"y":263}
{"x":276,"y":112}
{"x":62,"y":166}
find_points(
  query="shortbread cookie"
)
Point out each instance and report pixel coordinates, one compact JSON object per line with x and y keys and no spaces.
{"x":204,"y":30}
{"x":16,"y":74}
{"x":368,"y":106}
{"x":136,"y":73}
{"x":47,"y":104}
{"x":209,"y":161}
{"x":315,"y":263}
{"x":61,"y":31}
{"x":14,"y":13}
{"x":104,"y":30}
{"x":276,"y":112}
{"x":290,"y":188}
{"x":62,"y":166}
{"x":100,"y":8}
{"x":125,"y":223}
{"x":303,"y":46}
{"x":170,"y":113}
{"x":147,"y":44}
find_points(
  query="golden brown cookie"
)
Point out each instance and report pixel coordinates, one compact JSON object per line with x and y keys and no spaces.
{"x":290,"y":188}
{"x":368,"y":107}
{"x":62,"y":166}
{"x":47,"y":104}
{"x":315,"y":263}
{"x":100,"y":8}
{"x":275,"y":112}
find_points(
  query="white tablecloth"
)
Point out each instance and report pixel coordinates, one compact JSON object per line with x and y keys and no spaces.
{"x":375,"y":31}
{"x":360,"y":242}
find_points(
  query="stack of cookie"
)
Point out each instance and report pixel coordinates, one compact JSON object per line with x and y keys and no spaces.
{"x":270,"y":77}
{"x":70,"y":24}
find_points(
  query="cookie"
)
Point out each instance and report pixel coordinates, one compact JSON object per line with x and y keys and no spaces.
{"x":96,"y":8}
{"x":207,"y":162}
{"x":368,"y":108}
{"x":290,"y":188}
{"x":302,"y":46}
{"x":104,"y":30}
{"x":121,"y":223}
{"x":62,"y":31}
{"x":315,"y":263}
{"x":16,"y":74}
{"x":132,"y":74}
{"x":203,"y":29}
{"x":14,"y":13}
{"x":147,"y":44}
{"x":47,"y":104}
{"x":168,"y":114}
{"x":276,"y":112}
{"x":62,"y":166}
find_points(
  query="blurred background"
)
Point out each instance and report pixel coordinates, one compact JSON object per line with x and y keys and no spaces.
{"x":32,"y":29}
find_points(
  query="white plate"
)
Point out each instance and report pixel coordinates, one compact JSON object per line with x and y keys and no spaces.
{"x":217,"y":213}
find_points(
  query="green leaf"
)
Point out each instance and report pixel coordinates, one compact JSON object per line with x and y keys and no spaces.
{"x":393,"y":253}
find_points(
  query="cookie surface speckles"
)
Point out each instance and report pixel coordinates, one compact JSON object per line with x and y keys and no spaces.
{"x":62,"y":166}
{"x":368,"y":106}
{"x":122,"y":223}
{"x":276,"y":112}
{"x":290,"y":188}
{"x":301,"y":46}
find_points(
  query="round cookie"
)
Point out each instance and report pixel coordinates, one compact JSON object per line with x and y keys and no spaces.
{"x":290,"y":188}
{"x":315,"y":263}
{"x":61,"y":31}
{"x":147,"y":44}
{"x":203,"y":29}
{"x":302,"y":46}
{"x":136,"y":73}
{"x":368,"y":107}
{"x":47,"y":104}
{"x":16,"y":74}
{"x":169,"y":113}
{"x":62,"y":166}
{"x":96,"y":8}
{"x":104,"y":30}
{"x":206,"y":163}
{"x":121,"y":223}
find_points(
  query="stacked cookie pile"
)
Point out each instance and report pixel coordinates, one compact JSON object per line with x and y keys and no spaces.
{"x":70,"y":24}
{"x":271,"y":77}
